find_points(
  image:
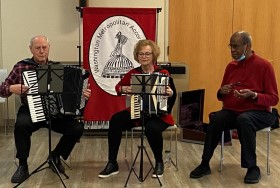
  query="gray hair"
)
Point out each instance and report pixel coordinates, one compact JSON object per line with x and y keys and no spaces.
{"x":38,"y":36}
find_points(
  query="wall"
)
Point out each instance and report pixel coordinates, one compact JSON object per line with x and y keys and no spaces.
{"x":200,"y":31}
{"x":22,"y":19}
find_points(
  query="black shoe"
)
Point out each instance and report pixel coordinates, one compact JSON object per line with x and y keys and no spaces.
{"x":57,"y":163}
{"x":253,"y":175}
{"x":20,"y":175}
{"x":110,"y":169}
{"x":159,"y":168}
{"x":200,"y":171}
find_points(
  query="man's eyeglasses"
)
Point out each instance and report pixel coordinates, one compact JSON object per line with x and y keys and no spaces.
{"x":235,"y":46}
{"x":147,"y":54}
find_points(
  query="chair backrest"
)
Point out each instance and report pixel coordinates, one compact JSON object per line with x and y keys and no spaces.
{"x":3,"y":76}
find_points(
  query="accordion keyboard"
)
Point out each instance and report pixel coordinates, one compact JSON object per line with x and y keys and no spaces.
{"x":135,"y":107}
{"x":34,"y":101}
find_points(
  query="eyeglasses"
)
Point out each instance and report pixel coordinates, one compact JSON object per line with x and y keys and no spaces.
{"x":235,"y":46}
{"x":147,"y":54}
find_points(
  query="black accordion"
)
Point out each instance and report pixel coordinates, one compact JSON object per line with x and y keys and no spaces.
{"x":55,"y":90}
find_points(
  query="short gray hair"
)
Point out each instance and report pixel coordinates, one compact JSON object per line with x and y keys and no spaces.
{"x":38,"y":36}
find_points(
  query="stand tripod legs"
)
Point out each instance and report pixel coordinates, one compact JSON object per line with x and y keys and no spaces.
{"x":140,"y":177}
{"x":51,"y":162}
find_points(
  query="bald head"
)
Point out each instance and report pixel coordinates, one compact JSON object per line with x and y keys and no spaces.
{"x":240,"y":45}
{"x":244,"y":36}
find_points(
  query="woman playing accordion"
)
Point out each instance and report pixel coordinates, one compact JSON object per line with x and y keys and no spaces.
{"x":145,"y":53}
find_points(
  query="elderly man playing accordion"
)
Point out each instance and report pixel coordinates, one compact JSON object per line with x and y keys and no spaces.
{"x":68,"y":126}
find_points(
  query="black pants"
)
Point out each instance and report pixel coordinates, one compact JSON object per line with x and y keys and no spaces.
{"x":70,"y":129}
{"x":246,"y":124}
{"x":121,"y":121}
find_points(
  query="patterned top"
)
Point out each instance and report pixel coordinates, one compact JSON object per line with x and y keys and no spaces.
{"x":15,"y":77}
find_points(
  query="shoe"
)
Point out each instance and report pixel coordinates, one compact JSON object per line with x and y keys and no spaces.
{"x":57,"y":163}
{"x":110,"y":169}
{"x":20,"y":175}
{"x":253,"y":175}
{"x":159,"y":168}
{"x":200,"y":171}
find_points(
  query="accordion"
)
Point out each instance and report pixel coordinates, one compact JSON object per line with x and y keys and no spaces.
{"x":148,"y":94}
{"x":55,"y":90}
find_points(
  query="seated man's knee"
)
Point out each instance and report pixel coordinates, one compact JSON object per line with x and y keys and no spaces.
{"x":22,"y":124}
{"x":243,"y":118}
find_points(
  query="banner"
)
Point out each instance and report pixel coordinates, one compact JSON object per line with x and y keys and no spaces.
{"x":109,"y":36}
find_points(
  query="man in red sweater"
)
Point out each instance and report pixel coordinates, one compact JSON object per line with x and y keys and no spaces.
{"x":248,"y":91}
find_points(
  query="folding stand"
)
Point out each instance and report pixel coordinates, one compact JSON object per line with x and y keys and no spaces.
{"x":145,"y":88}
{"x":49,"y":80}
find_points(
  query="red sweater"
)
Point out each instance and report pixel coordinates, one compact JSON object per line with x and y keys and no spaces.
{"x":125,"y":81}
{"x":256,"y":74}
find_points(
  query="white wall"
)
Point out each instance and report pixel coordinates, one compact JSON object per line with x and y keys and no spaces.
{"x":22,"y":19}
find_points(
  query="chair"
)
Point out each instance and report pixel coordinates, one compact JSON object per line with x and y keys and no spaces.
{"x":4,"y":101}
{"x":17,"y":106}
{"x":169,"y":153}
{"x":268,"y":130}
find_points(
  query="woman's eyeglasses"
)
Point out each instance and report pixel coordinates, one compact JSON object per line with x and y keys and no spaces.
{"x":147,"y":54}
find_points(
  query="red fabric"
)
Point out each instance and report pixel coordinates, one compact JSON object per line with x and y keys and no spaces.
{"x":103,"y":104}
{"x":256,"y":74}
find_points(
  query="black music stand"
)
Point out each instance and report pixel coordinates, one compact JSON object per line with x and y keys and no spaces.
{"x":143,"y":85}
{"x":50,"y":82}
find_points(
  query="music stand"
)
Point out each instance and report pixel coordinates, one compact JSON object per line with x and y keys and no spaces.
{"x":50,"y":82}
{"x":144,"y":85}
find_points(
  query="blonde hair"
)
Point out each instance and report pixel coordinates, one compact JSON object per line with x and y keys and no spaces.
{"x":145,"y":42}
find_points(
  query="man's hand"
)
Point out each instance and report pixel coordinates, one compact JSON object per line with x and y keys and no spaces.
{"x":226,"y":89}
{"x":244,"y":93}
{"x":18,"y":89}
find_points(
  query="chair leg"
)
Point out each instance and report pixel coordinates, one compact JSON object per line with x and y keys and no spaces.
{"x":176,"y":156}
{"x":125,"y":149}
{"x":67,"y":164}
{"x":169,"y":153}
{"x":15,"y":158}
{"x":222,"y":152}
{"x":131,"y":148}
{"x":268,"y":150}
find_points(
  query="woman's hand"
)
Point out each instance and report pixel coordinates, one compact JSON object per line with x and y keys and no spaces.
{"x":87,"y":92}
{"x":169,"y":91}
{"x":125,"y":89}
